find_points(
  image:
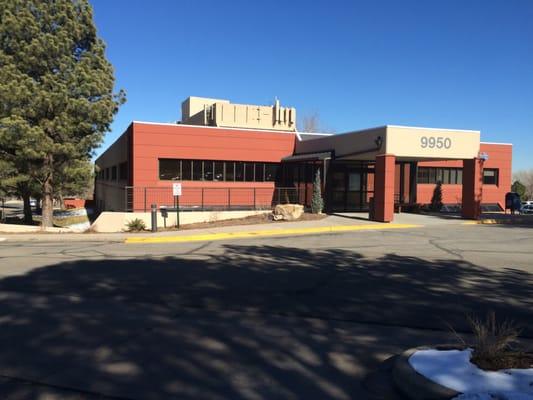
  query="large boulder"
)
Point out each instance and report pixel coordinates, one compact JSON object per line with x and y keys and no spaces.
{"x":288,"y":212}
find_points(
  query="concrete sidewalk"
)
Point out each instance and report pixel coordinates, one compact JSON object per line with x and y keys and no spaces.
{"x":340,"y":222}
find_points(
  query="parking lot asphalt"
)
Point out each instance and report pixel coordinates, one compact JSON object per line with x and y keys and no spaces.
{"x":312,"y":316}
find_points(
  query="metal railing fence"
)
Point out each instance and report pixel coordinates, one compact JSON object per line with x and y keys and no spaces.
{"x":209,"y":198}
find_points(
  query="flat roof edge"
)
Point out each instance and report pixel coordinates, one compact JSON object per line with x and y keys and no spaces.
{"x":213,"y":127}
{"x":501,"y":144}
{"x":431,"y":129}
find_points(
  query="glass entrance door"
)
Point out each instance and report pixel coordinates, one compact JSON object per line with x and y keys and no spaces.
{"x":347,"y":189}
{"x":354,"y":199}
{"x":337,"y":196}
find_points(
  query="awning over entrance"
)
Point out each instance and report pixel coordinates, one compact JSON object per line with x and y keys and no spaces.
{"x":374,"y":166}
{"x":406,"y":143}
{"x":309,"y":157}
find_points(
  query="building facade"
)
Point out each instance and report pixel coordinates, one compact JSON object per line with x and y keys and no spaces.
{"x":265,"y":161}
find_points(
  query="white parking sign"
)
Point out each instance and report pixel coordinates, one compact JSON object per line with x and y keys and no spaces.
{"x":176,"y":189}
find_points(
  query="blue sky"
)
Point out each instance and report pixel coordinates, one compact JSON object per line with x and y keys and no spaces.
{"x":454,"y":64}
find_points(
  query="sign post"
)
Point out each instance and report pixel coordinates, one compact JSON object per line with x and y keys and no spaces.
{"x":176,"y":191}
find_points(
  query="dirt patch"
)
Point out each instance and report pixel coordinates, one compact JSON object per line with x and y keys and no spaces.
{"x":251,"y":220}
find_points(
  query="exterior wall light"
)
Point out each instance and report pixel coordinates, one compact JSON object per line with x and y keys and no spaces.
{"x":378,"y":142}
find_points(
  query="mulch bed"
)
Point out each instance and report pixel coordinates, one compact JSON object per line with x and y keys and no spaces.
{"x":508,"y":360}
{"x":251,"y":220}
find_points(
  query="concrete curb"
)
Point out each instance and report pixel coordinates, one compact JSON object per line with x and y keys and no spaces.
{"x":266,"y":233}
{"x":517,"y":221}
{"x":416,"y":386}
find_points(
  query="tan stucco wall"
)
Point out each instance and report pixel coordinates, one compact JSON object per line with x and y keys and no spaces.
{"x":403,"y":142}
{"x":406,"y":142}
{"x":116,"y":221}
{"x":110,"y":196}
{"x":345,"y":144}
{"x":195,"y":105}
{"x":117,"y":152}
{"x":222,"y":113}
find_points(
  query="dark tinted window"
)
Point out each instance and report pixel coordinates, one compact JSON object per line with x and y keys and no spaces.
{"x":447,"y":176}
{"x":123,"y":171}
{"x":490,"y":176}
{"x":249,"y":172}
{"x":230,"y":171}
{"x":197,"y":170}
{"x":259,"y":172}
{"x":169,"y":170}
{"x":186,"y":170}
{"x":271,"y":172}
{"x":239,"y":171}
{"x":219,"y":171}
{"x":206,"y":170}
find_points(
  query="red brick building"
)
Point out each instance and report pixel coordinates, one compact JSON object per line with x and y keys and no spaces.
{"x":230,"y":168}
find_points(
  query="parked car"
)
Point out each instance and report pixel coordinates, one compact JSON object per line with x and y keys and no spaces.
{"x":527,"y":203}
{"x":527,"y":209}
{"x":33,"y":203}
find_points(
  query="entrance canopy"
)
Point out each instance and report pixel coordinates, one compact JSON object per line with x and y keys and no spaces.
{"x":406,"y":143}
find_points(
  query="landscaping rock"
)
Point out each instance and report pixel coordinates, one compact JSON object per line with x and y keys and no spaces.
{"x":288,"y":212}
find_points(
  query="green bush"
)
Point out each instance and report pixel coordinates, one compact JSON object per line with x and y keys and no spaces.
{"x":519,"y":188}
{"x":317,"y":203}
{"x":436,"y":200}
{"x":136,"y":225}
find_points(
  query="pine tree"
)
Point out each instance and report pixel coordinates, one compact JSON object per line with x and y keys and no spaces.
{"x":436,"y":199}
{"x":520,"y":189}
{"x":317,"y":203}
{"x":56,"y":89}
{"x":75,"y":179}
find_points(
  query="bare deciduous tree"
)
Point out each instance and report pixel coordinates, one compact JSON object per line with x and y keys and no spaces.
{"x":311,"y":123}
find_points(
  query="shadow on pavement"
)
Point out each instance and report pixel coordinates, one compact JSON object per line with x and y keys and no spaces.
{"x":219,"y":327}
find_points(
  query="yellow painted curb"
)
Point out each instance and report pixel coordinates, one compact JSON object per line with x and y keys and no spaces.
{"x":272,"y":232}
{"x":492,"y":221}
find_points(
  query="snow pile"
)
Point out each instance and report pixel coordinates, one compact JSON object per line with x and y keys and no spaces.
{"x":494,"y":396}
{"x":453,"y":369}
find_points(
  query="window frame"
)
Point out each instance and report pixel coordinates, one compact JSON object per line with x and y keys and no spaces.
{"x":496,"y":176}
{"x":447,"y":175}
{"x":251,"y":171}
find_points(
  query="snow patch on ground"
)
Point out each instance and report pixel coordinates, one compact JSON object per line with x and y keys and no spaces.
{"x":494,"y":396}
{"x":453,"y":369}
{"x":81,"y":227}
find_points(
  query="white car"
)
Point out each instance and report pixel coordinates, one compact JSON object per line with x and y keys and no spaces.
{"x":527,"y":209}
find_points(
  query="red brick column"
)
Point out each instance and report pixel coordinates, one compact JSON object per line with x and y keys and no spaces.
{"x":384,"y":188}
{"x":472,"y":188}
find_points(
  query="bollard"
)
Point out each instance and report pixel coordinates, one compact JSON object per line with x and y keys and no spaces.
{"x":154,"y":217}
